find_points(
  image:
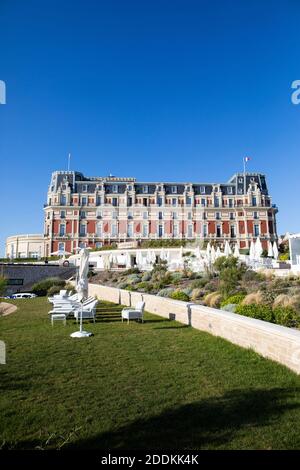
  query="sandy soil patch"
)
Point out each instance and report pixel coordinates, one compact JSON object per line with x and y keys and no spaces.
{"x":7,"y":309}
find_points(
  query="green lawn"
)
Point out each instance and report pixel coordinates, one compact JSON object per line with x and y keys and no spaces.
{"x":155,"y":385}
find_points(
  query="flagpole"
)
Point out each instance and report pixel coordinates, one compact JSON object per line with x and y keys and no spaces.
{"x":244,"y":162}
{"x":69,"y":159}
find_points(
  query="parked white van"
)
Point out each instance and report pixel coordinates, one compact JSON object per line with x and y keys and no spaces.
{"x":23,"y":295}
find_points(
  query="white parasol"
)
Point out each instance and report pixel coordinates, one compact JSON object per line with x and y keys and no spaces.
{"x":208,"y":249}
{"x":236,"y":252}
{"x":270,"y":250}
{"x":275,"y":250}
{"x":258,"y":248}
{"x":153,"y":257}
{"x":128,"y":260}
{"x":212,"y":255}
{"x":227,"y":249}
{"x":162,"y":254}
{"x":252,"y":250}
{"x":82,"y":289}
{"x":197,"y":252}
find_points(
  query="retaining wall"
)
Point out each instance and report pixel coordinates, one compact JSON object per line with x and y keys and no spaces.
{"x":272,"y":341}
{"x":28,"y":274}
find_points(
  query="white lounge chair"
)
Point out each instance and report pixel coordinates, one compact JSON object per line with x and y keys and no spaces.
{"x":89,"y":314}
{"x":61,"y":303}
{"x":89,"y":310}
{"x":134,"y":313}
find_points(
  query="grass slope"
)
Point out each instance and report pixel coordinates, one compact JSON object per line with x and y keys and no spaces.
{"x":154,"y":385}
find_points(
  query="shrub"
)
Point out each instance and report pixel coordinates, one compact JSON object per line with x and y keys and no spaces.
{"x":162,"y":243}
{"x":229,"y":308}
{"x":177,"y":276}
{"x":133,"y":279}
{"x":282,"y":300}
{"x":251,"y":275}
{"x":146,"y":277}
{"x":70,"y":288}
{"x":233,"y":299}
{"x":213,"y":299}
{"x":225,"y":262}
{"x":253,"y":298}
{"x":132,"y":271}
{"x":144,"y":286}
{"x":130,"y":287}
{"x":295,"y":302}
{"x":229,"y":280}
{"x":212,"y":285}
{"x":197,"y":294}
{"x":179,"y":295}
{"x":187,"y":290}
{"x":284,"y":257}
{"x":199,"y":282}
{"x":156,"y":286}
{"x":286,"y":316}
{"x":261,"y":312}
{"x":294,"y":290}
{"x":165,"y":292}
{"x":160,"y":266}
{"x":41,"y":287}
{"x":122,"y":285}
{"x":53,"y":290}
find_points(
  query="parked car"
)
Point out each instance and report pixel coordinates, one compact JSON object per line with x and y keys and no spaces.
{"x":23,"y":295}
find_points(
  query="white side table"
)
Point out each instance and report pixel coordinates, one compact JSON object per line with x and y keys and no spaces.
{"x":59,"y":316}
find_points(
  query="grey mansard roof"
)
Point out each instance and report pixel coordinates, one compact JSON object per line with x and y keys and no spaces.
{"x":79,"y":183}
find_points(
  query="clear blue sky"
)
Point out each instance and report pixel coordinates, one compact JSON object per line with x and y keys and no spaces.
{"x":156,"y":89}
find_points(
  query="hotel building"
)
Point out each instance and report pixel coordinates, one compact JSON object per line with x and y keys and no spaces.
{"x":93,"y":211}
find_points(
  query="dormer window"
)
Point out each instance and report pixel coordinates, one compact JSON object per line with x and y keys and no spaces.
{"x":115,"y":188}
{"x":173,"y":189}
{"x":84,"y":188}
{"x":202,"y":189}
{"x":145,"y":189}
{"x":241,"y":180}
{"x":229,"y":190}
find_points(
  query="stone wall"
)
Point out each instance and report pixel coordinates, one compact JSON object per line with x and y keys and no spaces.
{"x":272,"y":341}
{"x":29,"y":274}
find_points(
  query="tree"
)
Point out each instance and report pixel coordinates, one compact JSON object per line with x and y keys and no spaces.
{"x":225,"y":262}
{"x":230,"y":273}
